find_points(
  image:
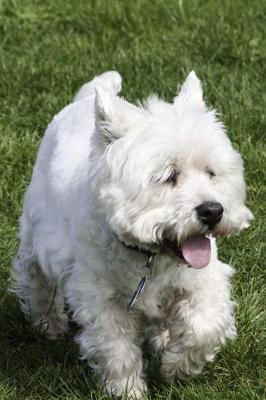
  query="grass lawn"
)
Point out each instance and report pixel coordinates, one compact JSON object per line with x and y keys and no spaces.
{"x":48,"y":49}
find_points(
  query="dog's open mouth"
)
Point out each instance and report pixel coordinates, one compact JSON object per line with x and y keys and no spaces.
{"x":196,"y":251}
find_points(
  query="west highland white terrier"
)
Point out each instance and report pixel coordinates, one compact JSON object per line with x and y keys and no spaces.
{"x":120,"y":220}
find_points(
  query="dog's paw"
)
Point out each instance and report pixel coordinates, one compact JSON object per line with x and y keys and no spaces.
{"x":183,"y":364}
{"x":53,"y":328}
{"x":132,"y":388}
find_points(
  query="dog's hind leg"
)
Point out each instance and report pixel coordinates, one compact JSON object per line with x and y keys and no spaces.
{"x":41,"y":301}
{"x":40,"y":297}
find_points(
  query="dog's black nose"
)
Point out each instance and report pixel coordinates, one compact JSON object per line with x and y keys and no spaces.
{"x":210,"y":213}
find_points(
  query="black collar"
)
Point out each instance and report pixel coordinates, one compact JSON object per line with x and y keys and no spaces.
{"x":149,"y":253}
{"x":145,"y":252}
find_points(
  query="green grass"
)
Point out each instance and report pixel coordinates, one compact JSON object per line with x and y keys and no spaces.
{"x":48,"y":49}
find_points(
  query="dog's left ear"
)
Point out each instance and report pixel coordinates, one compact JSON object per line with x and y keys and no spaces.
{"x":191,"y":91}
{"x":114,"y":116}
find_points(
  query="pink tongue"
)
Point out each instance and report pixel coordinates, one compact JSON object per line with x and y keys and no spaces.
{"x":197,"y":251}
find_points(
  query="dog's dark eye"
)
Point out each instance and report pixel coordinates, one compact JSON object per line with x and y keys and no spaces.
{"x":211,"y":173}
{"x":172,"y":178}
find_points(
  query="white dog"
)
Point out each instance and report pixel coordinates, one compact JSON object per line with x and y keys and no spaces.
{"x":120,"y":219}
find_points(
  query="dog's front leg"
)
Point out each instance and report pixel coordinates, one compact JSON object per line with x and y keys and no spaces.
{"x":110,"y":344}
{"x":199,"y":324}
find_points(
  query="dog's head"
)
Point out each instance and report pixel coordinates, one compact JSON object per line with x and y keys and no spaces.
{"x":168,"y":171}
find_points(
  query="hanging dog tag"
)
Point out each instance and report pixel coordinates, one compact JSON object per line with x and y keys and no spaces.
{"x":137,"y":293}
{"x":142,"y":283}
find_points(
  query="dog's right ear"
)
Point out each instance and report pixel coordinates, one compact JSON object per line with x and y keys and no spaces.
{"x":114,"y":116}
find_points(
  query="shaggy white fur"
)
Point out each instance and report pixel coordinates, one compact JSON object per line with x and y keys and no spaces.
{"x":111,"y":175}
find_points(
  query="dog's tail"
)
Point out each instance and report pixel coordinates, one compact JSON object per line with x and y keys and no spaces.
{"x":110,"y":81}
